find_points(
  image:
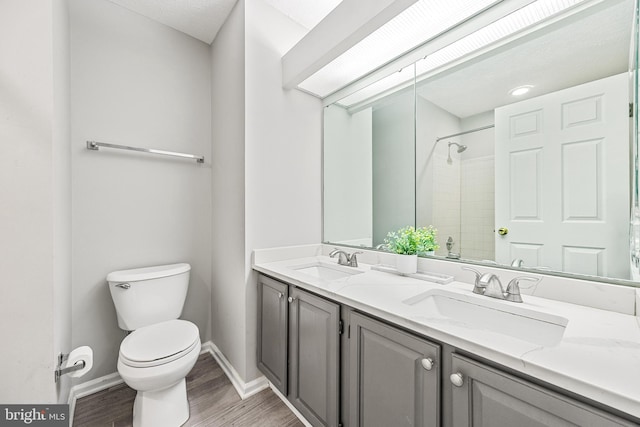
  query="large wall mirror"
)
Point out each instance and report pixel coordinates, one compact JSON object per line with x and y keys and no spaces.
{"x":517,"y":148}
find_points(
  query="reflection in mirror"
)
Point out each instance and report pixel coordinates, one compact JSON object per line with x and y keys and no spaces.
{"x":535,"y":180}
{"x":369,"y":174}
{"x":634,"y":66}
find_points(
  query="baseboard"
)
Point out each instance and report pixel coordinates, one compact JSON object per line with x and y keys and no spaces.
{"x":248,"y":389}
{"x":90,"y":387}
{"x":292,"y":408}
{"x":243,"y":389}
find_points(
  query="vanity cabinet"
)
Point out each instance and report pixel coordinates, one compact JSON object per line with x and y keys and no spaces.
{"x":298,"y":348}
{"x":383,"y":376}
{"x":394,"y":376}
{"x":485,"y":396}
{"x":273,"y":317}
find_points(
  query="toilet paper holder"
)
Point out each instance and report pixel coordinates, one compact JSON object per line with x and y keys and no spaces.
{"x":60,"y":371}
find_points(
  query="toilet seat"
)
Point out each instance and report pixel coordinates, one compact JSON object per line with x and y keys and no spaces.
{"x":159,"y":344}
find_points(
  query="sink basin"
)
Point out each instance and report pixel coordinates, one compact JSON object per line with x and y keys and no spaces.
{"x":326,"y":271}
{"x":480,"y":313}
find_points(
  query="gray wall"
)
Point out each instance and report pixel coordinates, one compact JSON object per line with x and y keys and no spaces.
{"x":348,"y":188}
{"x":228,"y":311}
{"x":62,"y":190}
{"x":393,"y":166}
{"x":266,"y":188}
{"x":283,"y":152}
{"x":140,"y":83}
{"x":481,"y":143}
{"x":34,"y":199}
{"x":134,"y":81}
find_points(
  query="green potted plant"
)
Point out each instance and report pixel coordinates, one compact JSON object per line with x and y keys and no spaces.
{"x":409,"y":242}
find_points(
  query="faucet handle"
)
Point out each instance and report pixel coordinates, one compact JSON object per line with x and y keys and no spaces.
{"x":513,"y":288}
{"x":353,"y":259}
{"x":477,"y":287}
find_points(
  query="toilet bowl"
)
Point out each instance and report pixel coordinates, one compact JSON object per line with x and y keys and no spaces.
{"x":154,"y":360}
{"x":161,"y":350}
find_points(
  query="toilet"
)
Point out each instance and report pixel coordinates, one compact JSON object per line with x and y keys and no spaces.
{"x":161,"y":349}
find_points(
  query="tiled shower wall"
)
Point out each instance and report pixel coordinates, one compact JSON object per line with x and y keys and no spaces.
{"x":477,"y":209}
{"x":446,"y":200}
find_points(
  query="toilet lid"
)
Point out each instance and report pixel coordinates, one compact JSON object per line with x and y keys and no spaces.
{"x":155,"y":343}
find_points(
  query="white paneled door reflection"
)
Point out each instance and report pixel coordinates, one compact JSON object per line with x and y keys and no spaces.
{"x":562,"y":174}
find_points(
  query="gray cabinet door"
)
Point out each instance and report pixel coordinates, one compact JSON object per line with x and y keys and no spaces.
{"x":394,"y":377}
{"x":272,"y":331}
{"x":488,"y":397}
{"x":313,"y":357}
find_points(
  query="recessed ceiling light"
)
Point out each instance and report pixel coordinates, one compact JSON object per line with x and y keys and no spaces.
{"x":520,"y":90}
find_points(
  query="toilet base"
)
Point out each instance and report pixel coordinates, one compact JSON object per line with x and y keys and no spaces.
{"x":162,"y":408}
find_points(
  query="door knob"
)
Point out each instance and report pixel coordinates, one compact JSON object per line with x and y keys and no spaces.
{"x":457,"y":379}
{"x":291,"y":299}
{"x":427,"y":363}
{"x":503,"y":231}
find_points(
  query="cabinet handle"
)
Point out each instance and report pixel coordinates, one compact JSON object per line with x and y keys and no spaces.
{"x":280,"y":295}
{"x":291,"y":299}
{"x":457,"y":379}
{"x":427,"y":363}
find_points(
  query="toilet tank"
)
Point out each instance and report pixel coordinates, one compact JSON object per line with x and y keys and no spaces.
{"x":144,"y":296}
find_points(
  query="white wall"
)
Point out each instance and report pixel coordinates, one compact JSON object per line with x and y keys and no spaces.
{"x":139,"y":83}
{"x":34,"y":198}
{"x":348,"y":186}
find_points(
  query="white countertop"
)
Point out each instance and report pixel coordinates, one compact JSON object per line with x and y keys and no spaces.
{"x":597,"y":357}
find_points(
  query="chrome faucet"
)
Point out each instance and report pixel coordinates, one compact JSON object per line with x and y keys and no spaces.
{"x":489,"y":284}
{"x":344,"y":258}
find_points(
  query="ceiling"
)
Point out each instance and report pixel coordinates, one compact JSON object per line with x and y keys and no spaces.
{"x":202,"y":19}
{"x":554,"y":58}
{"x":561,"y":57}
{"x":305,"y":12}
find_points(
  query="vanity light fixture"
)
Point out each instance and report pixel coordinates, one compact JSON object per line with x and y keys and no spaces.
{"x":520,"y":90}
{"x":508,"y":28}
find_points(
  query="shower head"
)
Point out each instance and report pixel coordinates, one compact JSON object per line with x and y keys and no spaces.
{"x":460,"y":149}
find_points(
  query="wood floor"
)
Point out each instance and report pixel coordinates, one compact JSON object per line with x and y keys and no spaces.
{"x":212,"y":402}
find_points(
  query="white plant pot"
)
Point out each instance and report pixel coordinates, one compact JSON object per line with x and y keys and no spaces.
{"x":407,"y":264}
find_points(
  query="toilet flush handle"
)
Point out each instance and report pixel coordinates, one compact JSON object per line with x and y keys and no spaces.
{"x":123,"y":285}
